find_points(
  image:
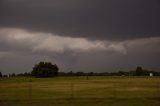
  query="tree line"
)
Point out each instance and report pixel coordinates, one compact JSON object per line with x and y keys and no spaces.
{"x":47,"y":69}
{"x":139,"y":71}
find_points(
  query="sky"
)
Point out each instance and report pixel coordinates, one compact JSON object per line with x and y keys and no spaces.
{"x":79,"y":35}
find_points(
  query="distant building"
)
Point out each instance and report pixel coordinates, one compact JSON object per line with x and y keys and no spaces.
{"x":151,"y":74}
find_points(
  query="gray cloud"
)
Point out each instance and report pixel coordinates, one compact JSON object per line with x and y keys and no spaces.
{"x":94,"y":19}
{"x":18,"y":39}
{"x":21,"y":49}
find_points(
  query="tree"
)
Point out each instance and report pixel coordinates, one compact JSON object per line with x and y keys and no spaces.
{"x":13,"y":75}
{"x":139,"y":71}
{"x":45,"y":69}
{"x":0,"y":74}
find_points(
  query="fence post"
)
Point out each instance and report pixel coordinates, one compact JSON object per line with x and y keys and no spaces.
{"x":72,"y":90}
{"x":114,"y":90}
{"x":30,"y":90}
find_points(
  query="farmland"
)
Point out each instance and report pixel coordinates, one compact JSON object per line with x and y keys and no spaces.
{"x":78,"y":91}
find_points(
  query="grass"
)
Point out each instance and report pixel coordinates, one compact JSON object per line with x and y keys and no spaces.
{"x":77,"y":91}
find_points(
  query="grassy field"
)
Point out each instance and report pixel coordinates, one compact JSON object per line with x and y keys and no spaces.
{"x":77,"y":91}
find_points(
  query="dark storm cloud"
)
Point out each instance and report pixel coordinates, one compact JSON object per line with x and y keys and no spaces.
{"x":79,"y":35}
{"x":97,"y":19}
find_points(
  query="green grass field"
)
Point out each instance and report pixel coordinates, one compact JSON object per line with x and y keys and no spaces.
{"x":77,"y":91}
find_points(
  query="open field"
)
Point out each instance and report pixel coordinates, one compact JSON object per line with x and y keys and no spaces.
{"x":77,"y":91}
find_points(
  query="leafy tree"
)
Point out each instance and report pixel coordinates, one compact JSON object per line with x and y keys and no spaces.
{"x":70,"y":73}
{"x":45,"y":69}
{"x":13,"y":75}
{"x":139,"y":71}
{"x":0,"y":74}
{"x":80,"y":74}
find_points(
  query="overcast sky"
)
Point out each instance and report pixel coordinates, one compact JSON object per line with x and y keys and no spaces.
{"x":79,"y":35}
